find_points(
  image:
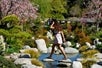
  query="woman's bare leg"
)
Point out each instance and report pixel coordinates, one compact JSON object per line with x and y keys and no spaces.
{"x":63,"y":52}
{"x":52,"y":51}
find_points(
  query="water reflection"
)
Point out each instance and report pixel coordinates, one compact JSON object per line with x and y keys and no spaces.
{"x":57,"y":57}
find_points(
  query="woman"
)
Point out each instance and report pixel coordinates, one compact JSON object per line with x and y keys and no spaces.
{"x":58,"y":37}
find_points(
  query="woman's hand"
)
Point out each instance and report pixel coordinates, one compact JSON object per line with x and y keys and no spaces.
{"x":52,"y":27}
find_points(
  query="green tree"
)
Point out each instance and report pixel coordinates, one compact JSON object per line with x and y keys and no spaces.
{"x":58,"y":8}
{"x":44,"y":7}
{"x":51,"y":8}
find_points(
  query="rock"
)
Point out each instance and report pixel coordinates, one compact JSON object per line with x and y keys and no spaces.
{"x":67,"y":44}
{"x":77,"y":64}
{"x":1,"y":39}
{"x":30,"y":66}
{"x":96,"y":66}
{"x":80,"y":59}
{"x":98,"y":55}
{"x":65,"y":61}
{"x":48,"y":60}
{"x":22,"y":61}
{"x":88,"y":44}
{"x":78,"y":45}
{"x":14,"y":56}
{"x":71,"y":50}
{"x":26,"y":47}
{"x":41,"y":45}
{"x":49,"y":35}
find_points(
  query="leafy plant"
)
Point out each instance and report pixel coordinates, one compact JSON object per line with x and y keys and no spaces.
{"x":10,"y":20}
{"x":4,"y":63}
{"x":34,"y":54}
{"x":88,"y":63}
{"x":99,"y":47}
{"x":83,"y":48}
{"x":36,"y":62}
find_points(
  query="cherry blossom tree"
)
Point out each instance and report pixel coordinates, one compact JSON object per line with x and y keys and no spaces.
{"x":22,"y":8}
{"x":93,"y":12}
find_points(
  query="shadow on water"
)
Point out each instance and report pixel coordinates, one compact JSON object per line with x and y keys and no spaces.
{"x":57,"y":57}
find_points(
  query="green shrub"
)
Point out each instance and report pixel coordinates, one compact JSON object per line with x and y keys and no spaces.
{"x":30,"y":42}
{"x":99,"y":47}
{"x":89,"y":53}
{"x":88,"y":63}
{"x":4,"y":32}
{"x":4,"y":63}
{"x":34,"y":54}
{"x":83,"y":48}
{"x":10,"y":21}
{"x":37,"y":62}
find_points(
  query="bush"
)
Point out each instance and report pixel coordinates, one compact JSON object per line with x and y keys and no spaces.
{"x":36,"y":62}
{"x":89,"y":53}
{"x":83,"y":48}
{"x":34,"y":54}
{"x":87,"y":64}
{"x":99,"y":47}
{"x":10,"y":20}
{"x":4,"y":63}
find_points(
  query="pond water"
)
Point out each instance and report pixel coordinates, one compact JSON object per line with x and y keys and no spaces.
{"x":57,"y":57}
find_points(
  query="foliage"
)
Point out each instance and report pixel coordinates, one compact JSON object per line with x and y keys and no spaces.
{"x":89,"y":53}
{"x":75,"y":10}
{"x":30,"y":42}
{"x":17,"y":7}
{"x":93,"y":11}
{"x":44,"y":7}
{"x":15,"y":38}
{"x":81,"y":36}
{"x":88,"y":63}
{"x":4,"y":32}
{"x":16,"y":41}
{"x":34,"y":54}
{"x":51,"y":8}
{"x":96,"y":35}
{"x":36,"y":62}
{"x":4,"y":63}
{"x":99,"y":47}
{"x":11,"y":19}
{"x":83,"y":48}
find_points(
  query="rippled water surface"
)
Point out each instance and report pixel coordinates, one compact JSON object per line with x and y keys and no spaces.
{"x":57,"y":57}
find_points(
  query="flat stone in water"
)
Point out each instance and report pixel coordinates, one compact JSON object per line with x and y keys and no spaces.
{"x":66,"y":61}
{"x":48,"y":60}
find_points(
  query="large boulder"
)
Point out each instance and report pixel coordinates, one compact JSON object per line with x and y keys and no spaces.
{"x":41,"y":45}
{"x":67,"y":44}
{"x":71,"y":50}
{"x":22,"y":61}
{"x":96,"y":66}
{"x":98,"y":55}
{"x":77,"y":64}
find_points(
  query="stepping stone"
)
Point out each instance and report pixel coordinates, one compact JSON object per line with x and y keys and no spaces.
{"x":48,"y":60}
{"x":65,"y":61}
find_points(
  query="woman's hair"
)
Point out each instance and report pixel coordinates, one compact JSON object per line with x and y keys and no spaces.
{"x":56,"y":25}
